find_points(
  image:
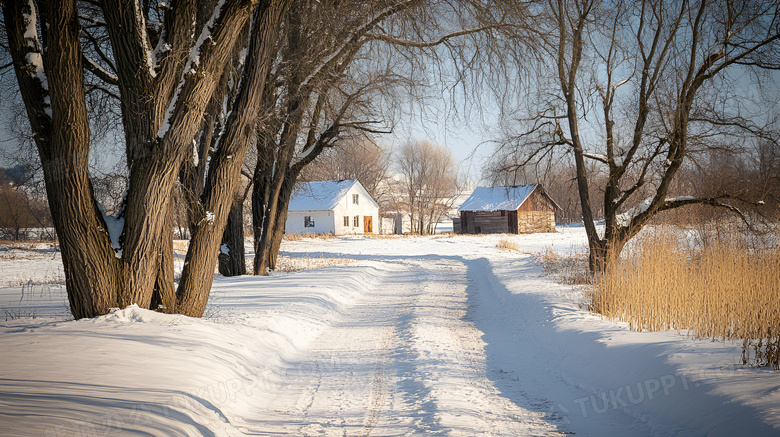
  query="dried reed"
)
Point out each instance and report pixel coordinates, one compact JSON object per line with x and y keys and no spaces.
{"x":724,"y":290}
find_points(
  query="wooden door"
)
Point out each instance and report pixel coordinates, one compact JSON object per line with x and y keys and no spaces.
{"x":512,"y":217}
{"x":367,"y":225}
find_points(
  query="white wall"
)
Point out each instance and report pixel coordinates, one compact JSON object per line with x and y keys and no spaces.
{"x":365,"y":207}
{"x":333,"y":221}
{"x":323,"y":222}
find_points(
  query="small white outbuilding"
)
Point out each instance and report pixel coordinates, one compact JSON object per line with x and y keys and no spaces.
{"x":338,"y":207}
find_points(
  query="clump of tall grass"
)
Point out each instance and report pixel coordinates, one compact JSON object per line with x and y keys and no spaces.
{"x":507,"y":245}
{"x":723,"y":290}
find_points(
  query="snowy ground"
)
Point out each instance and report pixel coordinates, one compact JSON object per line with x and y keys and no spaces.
{"x":415,"y":336}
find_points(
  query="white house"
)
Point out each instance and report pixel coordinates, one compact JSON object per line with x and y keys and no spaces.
{"x":338,"y":207}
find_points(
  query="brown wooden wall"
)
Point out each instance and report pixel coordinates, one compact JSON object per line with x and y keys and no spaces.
{"x":487,"y":222}
{"x":536,"y":202}
{"x":529,"y":222}
{"x":536,"y":214}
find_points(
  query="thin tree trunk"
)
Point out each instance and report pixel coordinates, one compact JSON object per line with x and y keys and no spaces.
{"x":262,"y":255}
{"x":261,"y":193}
{"x":281,"y":218}
{"x":231,"y":256}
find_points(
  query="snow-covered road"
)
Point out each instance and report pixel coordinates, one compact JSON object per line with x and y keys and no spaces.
{"x":406,"y":362}
{"x":415,"y":336}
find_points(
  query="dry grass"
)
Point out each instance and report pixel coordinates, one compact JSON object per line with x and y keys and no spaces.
{"x":23,"y":244}
{"x":385,"y":236}
{"x":569,"y":268}
{"x":298,"y":237}
{"x":724,"y":291}
{"x":290,"y":264}
{"x":507,"y":245}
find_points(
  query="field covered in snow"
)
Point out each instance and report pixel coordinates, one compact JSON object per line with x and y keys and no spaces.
{"x":410,"y":336}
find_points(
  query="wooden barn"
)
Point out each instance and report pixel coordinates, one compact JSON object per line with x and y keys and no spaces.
{"x":522,"y":209}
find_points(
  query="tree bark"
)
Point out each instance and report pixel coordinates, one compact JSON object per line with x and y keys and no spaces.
{"x":261,"y":194}
{"x":225,"y":167}
{"x":233,"y":262}
{"x":62,"y":136}
{"x":281,"y":217}
{"x":164,"y":295}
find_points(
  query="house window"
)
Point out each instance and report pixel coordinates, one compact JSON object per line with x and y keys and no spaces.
{"x":308,"y":222}
{"x":346,"y":220}
{"x":356,"y":221}
{"x":356,"y":199}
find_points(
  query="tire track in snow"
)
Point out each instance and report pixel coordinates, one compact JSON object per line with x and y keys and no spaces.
{"x":407,"y":362}
{"x":451,"y":361}
{"x":378,"y":383}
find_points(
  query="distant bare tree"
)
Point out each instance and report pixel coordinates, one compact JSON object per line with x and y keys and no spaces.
{"x":429,"y":173}
{"x":358,"y":159}
{"x":19,"y":211}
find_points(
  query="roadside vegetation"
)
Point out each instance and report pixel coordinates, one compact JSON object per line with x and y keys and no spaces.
{"x":715,"y":280}
{"x":725,"y":290}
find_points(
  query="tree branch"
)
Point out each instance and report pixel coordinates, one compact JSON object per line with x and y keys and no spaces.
{"x":99,"y":71}
{"x":421,"y":45}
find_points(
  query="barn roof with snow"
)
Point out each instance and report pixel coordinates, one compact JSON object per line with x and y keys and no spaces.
{"x":498,"y":198}
{"x":320,"y":196}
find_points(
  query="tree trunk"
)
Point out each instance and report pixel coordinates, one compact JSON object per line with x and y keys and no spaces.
{"x":231,"y":256}
{"x":262,"y":255}
{"x":225,"y":166}
{"x":281,"y":218}
{"x":58,"y":117}
{"x":261,"y":194}
{"x":603,"y":252}
{"x":164,"y":295}
{"x":276,"y":240}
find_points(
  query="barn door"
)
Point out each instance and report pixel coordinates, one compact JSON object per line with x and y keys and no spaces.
{"x":367,"y":225}
{"x":512,"y":217}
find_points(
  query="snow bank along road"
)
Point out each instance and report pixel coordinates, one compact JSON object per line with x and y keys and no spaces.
{"x":421,"y":336}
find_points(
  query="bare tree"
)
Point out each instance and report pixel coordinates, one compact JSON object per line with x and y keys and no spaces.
{"x":507,"y":167}
{"x":428,"y":172}
{"x":643,"y":89}
{"x":164,"y":69}
{"x":328,"y":89}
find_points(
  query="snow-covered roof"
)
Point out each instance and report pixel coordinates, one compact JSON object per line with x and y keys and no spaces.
{"x":319,"y":196}
{"x":497,"y":198}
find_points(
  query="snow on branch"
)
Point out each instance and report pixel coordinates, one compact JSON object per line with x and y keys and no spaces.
{"x":95,"y":68}
{"x":33,"y":58}
{"x":596,"y":156}
{"x":190,"y":66}
{"x":141,"y":24}
{"x":677,"y":202}
{"x":625,"y":218}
